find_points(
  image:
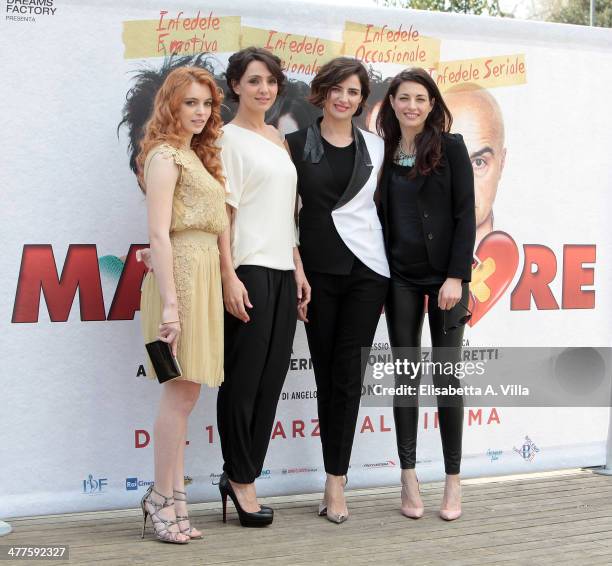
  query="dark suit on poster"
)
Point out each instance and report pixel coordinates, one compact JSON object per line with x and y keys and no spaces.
{"x":343,"y":253}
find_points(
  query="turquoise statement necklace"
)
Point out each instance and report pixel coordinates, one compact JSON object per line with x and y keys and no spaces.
{"x":402,"y":158}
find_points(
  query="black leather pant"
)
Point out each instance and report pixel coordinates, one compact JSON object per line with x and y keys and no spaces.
{"x":405,"y":313}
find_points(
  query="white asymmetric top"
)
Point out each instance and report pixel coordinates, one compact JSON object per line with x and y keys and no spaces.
{"x":261,"y":186}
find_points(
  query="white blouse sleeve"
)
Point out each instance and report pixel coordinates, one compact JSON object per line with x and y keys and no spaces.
{"x":233,"y":171}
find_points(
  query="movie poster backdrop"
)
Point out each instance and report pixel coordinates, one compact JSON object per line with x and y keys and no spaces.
{"x":531,"y":101}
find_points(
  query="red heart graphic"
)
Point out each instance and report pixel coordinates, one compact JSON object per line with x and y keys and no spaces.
{"x":499,"y":257}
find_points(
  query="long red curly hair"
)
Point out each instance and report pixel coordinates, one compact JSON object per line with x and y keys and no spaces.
{"x":164,"y":126}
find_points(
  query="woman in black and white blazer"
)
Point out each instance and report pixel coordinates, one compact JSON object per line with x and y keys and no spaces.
{"x":426,"y":206}
{"x":342,"y":249}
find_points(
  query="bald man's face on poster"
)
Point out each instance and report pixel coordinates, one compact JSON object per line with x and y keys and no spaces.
{"x":477,"y":116}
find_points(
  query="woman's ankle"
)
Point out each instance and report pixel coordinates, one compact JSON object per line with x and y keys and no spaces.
{"x":453,"y":479}
{"x":335,"y":479}
{"x":409,"y":475}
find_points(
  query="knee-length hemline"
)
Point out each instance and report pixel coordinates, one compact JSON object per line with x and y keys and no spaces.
{"x":198,"y":217}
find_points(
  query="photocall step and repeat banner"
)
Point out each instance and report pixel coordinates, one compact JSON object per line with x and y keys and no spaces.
{"x":77,"y":411}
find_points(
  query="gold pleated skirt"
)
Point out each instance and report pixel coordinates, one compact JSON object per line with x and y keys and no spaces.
{"x":197,"y":277}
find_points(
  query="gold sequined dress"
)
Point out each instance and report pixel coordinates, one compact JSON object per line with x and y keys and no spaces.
{"x":198,"y":217}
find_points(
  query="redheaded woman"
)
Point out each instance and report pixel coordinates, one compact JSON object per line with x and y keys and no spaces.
{"x":180,"y":171}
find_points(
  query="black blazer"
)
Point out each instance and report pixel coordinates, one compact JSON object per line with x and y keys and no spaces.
{"x":446,"y":207}
{"x":321,"y":247}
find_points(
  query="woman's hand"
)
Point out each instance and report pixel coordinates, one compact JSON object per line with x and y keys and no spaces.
{"x":170,"y":328}
{"x":450,"y":293}
{"x":236,"y":298}
{"x":144,"y":255}
{"x":303,"y":292}
{"x":170,"y":332}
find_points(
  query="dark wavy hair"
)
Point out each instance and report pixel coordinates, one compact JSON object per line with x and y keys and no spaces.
{"x":293,"y":102}
{"x":428,"y":143}
{"x":239,"y":61}
{"x":138,"y":107}
{"x":378,"y":90}
{"x":333,"y":73}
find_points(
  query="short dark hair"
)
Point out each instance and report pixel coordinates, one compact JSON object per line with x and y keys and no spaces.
{"x":239,"y":62}
{"x":333,"y":73}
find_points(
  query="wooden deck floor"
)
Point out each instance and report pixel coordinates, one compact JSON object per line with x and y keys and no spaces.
{"x":560,"y":517}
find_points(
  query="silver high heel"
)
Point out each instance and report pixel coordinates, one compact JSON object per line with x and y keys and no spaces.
{"x":161,"y":526}
{"x":333,"y":517}
{"x":338,"y":519}
{"x":182,"y":518}
{"x":322,"y":512}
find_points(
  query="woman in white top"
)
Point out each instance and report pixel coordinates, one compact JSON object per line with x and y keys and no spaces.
{"x":263,"y":280}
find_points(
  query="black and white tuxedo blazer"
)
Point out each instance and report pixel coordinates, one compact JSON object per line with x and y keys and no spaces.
{"x":334,"y":231}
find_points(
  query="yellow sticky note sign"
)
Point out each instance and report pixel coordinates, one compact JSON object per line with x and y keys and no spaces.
{"x":403,"y":45}
{"x":181,"y":35}
{"x":298,"y":53}
{"x":485,"y":72}
{"x":480,"y":274}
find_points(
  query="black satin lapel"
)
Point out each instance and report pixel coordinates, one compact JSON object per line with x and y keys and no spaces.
{"x":362,"y":169}
{"x":313,"y":148}
{"x":314,"y":151}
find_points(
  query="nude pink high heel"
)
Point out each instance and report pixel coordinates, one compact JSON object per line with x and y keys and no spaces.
{"x":451,"y":514}
{"x":412,"y":512}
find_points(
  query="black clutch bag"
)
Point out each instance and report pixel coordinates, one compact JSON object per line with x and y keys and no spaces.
{"x":166,"y":366}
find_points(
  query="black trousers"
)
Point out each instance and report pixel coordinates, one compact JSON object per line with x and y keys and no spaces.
{"x":405,"y":313}
{"x":257,"y":355}
{"x":343,"y":315}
